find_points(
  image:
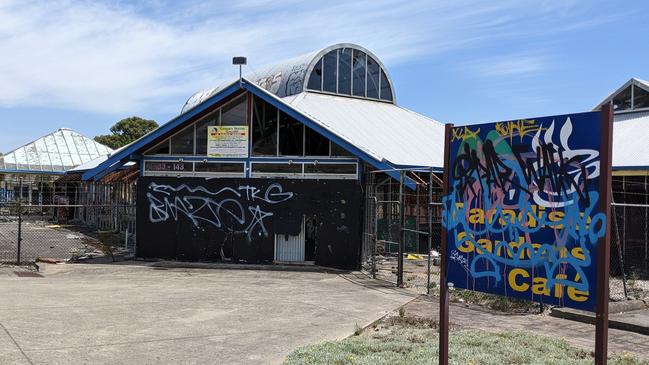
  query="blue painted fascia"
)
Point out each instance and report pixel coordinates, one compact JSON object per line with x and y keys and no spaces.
{"x":118,"y":158}
{"x":287,"y":109}
{"x":631,"y":168}
{"x":33,"y":172}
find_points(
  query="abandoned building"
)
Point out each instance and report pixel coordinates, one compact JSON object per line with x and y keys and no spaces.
{"x":276,"y":168}
{"x":29,"y":172}
{"x":631,"y":171}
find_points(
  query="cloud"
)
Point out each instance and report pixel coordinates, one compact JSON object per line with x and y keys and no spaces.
{"x":507,"y":65}
{"x":124,"y":57}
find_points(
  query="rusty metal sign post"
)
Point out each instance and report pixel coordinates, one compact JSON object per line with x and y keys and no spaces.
{"x":526,"y":214}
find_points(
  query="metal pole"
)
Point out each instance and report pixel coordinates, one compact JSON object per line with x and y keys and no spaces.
{"x":20,"y":223}
{"x":402,"y":218}
{"x":604,"y":248}
{"x":430,"y":225}
{"x":443,"y":285}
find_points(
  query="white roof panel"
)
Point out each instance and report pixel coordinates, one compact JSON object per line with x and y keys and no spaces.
{"x":385,"y":131}
{"x":58,"y":151}
{"x":629,"y":145}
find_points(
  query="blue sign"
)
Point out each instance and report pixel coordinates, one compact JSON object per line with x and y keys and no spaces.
{"x":522,"y":214}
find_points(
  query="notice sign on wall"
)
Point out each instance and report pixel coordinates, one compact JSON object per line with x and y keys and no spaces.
{"x":522,"y":213}
{"x":227,"y":141}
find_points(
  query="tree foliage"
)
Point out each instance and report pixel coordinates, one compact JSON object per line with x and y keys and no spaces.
{"x":126,"y":131}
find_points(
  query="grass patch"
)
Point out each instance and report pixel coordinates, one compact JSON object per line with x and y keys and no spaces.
{"x":495,"y":302}
{"x":405,"y":346}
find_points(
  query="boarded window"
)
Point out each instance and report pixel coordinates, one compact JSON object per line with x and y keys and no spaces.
{"x":277,"y":168}
{"x":160,"y":149}
{"x":225,"y":167}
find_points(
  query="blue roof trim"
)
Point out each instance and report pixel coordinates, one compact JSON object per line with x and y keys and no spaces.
{"x":630,"y":168}
{"x":120,"y":157}
{"x":381,"y":165}
{"x":35,"y":172}
{"x":113,"y":162}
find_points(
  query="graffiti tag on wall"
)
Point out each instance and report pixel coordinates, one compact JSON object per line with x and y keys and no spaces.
{"x":522,"y":211}
{"x":238,"y":210}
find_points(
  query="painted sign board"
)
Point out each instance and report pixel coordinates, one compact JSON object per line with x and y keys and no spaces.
{"x":522,"y":213}
{"x":227,"y":141}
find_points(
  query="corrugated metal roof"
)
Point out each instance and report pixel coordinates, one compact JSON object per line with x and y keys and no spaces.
{"x":383,"y":130}
{"x":629,"y":146}
{"x":56,"y":152}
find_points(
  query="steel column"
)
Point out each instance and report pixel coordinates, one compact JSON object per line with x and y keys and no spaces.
{"x":604,"y":248}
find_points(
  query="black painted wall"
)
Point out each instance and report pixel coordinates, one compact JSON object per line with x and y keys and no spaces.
{"x":197,"y":219}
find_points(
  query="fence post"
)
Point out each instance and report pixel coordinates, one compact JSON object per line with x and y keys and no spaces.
{"x":430,"y":225}
{"x":402,"y":233}
{"x":20,"y":222}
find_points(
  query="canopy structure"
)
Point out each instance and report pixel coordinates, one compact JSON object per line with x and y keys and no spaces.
{"x":54,"y":153}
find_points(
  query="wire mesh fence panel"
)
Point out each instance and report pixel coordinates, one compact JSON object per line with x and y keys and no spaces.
{"x":65,"y":221}
{"x":411,"y":233}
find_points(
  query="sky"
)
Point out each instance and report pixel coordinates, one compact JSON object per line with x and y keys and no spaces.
{"x":85,"y":65}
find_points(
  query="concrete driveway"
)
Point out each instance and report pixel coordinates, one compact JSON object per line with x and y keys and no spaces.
{"x":138,"y":314}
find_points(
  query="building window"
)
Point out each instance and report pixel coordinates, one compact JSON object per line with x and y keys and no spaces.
{"x":291,"y":136}
{"x":211,"y":119}
{"x":160,"y":149}
{"x":266,"y":169}
{"x":234,"y":113}
{"x":640,"y":97}
{"x":330,"y":74}
{"x":386,"y":92}
{"x":337,"y":151}
{"x":373,"y":70}
{"x":348,"y":71}
{"x":264,"y":129}
{"x":358,"y":67}
{"x":314,"y":143}
{"x":219,"y":167}
{"x":345,"y":71}
{"x":622,"y":101}
{"x":168,"y":166}
{"x":330,"y":168}
{"x":315,"y":80}
{"x":183,"y":142}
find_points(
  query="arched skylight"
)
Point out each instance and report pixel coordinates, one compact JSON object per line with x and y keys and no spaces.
{"x":351,"y":72}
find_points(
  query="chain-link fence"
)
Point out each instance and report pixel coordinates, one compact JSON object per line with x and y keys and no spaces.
{"x":65,"y":221}
{"x":384,"y":231}
{"x":415,"y":263}
{"x":630,"y":238}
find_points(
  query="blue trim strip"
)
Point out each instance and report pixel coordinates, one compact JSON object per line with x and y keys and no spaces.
{"x":34,"y":172}
{"x":252,"y":159}
{"x":257,"y":91}
{"x":117,"y":159}
{"x":630,"y":167}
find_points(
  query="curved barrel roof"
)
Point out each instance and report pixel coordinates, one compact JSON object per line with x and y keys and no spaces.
{"x":289,"y":77}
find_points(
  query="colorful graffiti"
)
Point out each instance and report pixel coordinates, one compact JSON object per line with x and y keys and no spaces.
{"x":522,"y":211}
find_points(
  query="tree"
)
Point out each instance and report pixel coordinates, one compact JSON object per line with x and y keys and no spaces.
{"x":126,"y":131}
